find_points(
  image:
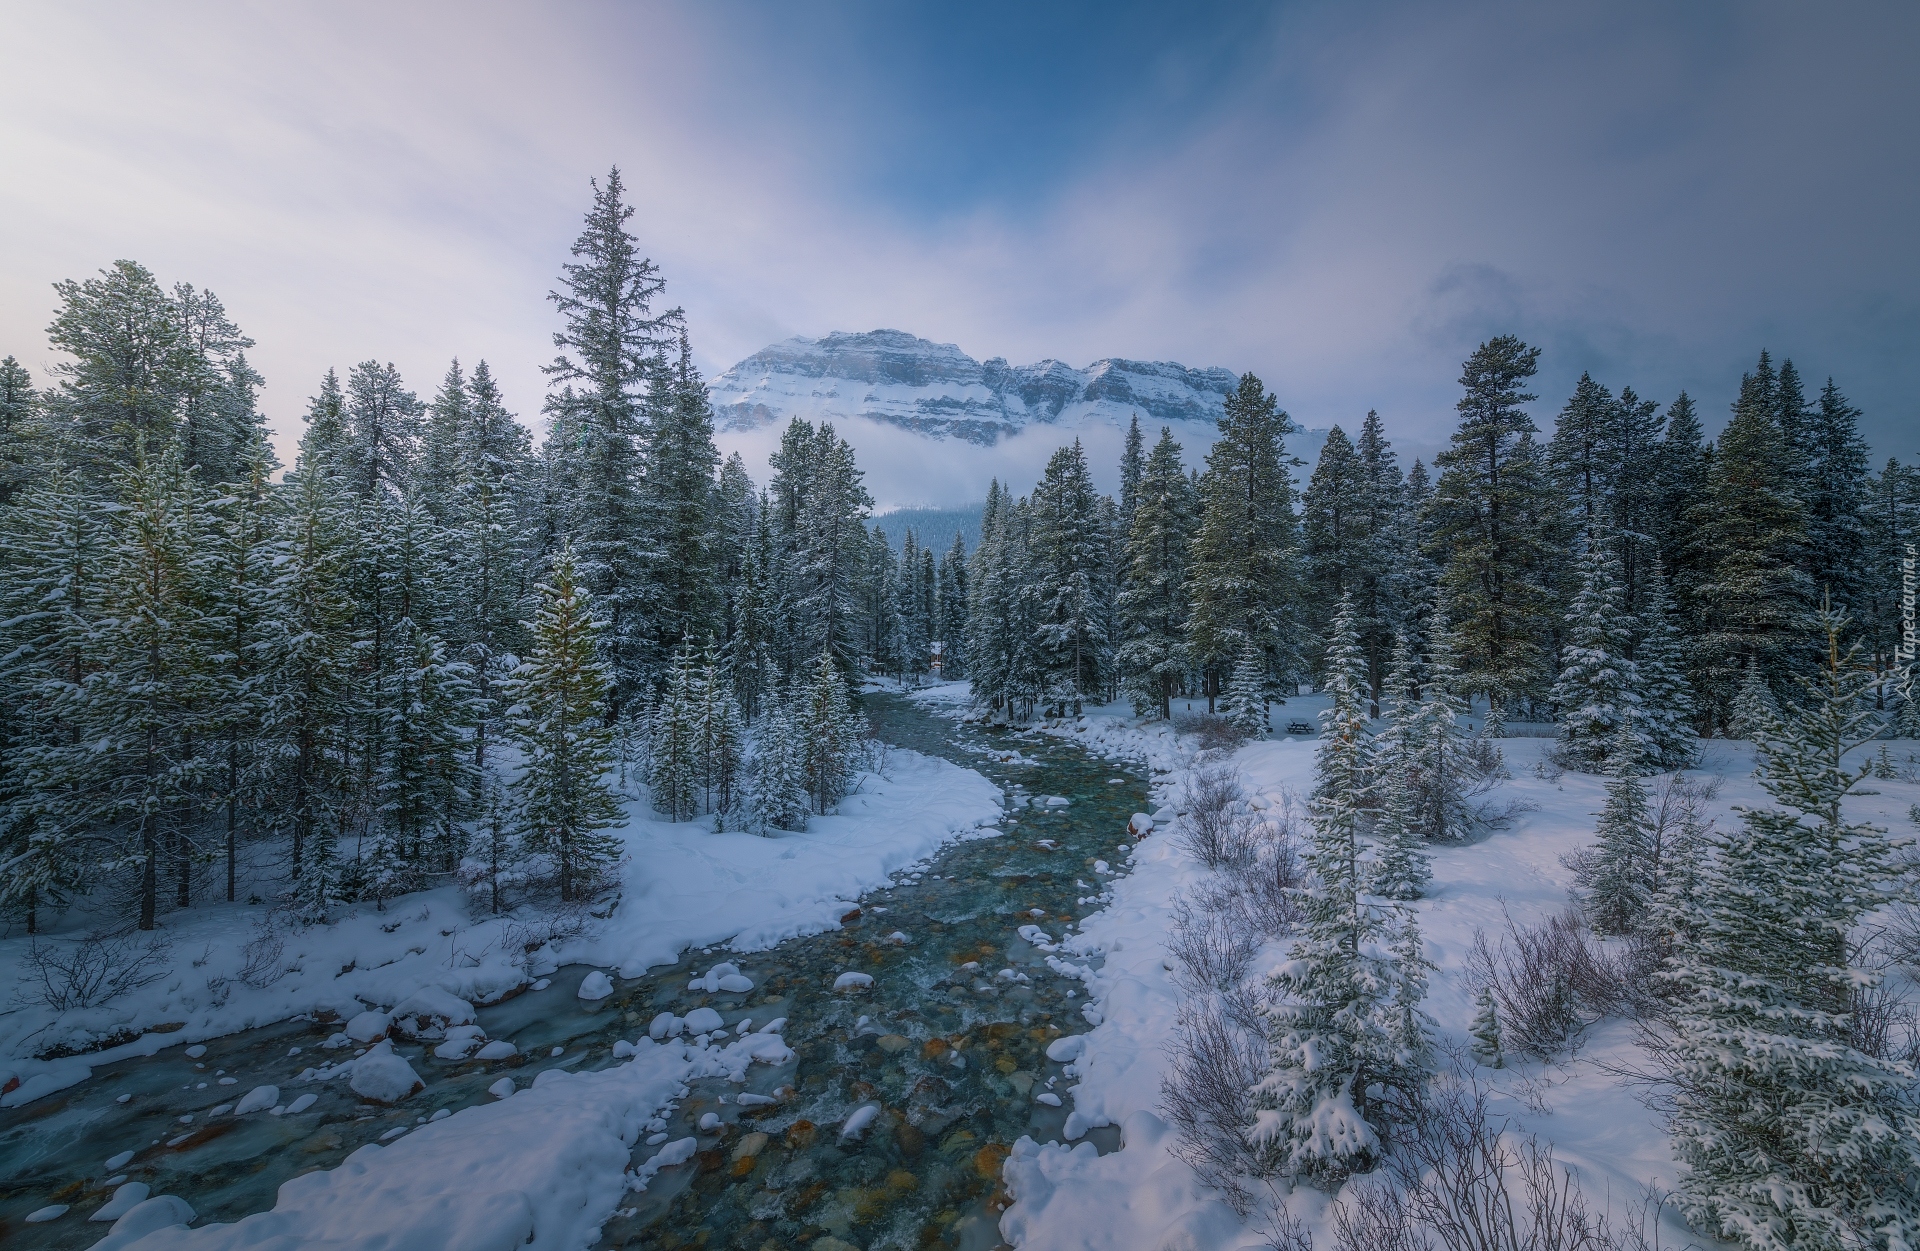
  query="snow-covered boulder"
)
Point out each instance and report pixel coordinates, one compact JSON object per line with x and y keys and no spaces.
{"x":665,"y":1025}
{"x":368,"y":1027}
{"x":720,"y":978}
{"x":595,"y":985}
{"x":157,"y":1213}
{"x":429,"y":1012}
{"x":853,"y":981}
{"x":384,"y":1077}
{"x":498,"y":1049}
{"x":460,"y":1040}
{"x":703,"y":1021}
{"x":1141,"y":824}
{"x":861,"y":1117}
{"x":260,"y":1098}
{"x":124,"y":1200}
{"x":1067,"y":1049}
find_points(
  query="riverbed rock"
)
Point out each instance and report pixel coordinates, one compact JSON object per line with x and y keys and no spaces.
{"x":384,"y":1077}
{"x":753,"y":1144}
{"x":891,"y":1043}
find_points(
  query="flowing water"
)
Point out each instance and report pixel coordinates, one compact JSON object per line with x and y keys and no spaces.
{"x":949,"y":1040}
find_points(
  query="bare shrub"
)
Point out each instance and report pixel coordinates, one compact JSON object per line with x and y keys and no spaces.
{"x":262,"y":955}
{"x":1214,"y":946}
{"x":1206,"y":1095}
{"x":1374,"y":1216}
{"x":1283,"y":1230}
{"x":1215,"y":733}
{"x":1482,"y":759}
{"x":523,"y":936}
{"x":1464,"y":1181}
{"x":1216,"y":829}
{"x":95,"y":969}
{"x":1549,"y":981}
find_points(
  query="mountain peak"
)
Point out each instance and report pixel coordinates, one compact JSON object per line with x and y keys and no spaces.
{"x":900,"y":379}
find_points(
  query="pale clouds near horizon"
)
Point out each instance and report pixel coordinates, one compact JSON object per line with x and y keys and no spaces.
{"x":1357,"y":201}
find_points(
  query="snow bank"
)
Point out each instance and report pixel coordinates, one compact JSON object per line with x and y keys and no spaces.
{"x":689,"y":887}
{"x":541,"y":1170}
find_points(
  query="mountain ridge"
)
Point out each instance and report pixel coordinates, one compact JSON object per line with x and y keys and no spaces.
{"x":935,"y":389}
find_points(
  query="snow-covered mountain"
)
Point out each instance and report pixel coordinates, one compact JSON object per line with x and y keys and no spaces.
{"x":936,"y":389}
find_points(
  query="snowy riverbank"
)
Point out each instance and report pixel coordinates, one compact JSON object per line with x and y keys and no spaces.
{"x":682,"y":886}
{"x":1068,"y":1196}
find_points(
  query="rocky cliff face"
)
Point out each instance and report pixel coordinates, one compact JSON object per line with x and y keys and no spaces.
{"x":938,"y":390}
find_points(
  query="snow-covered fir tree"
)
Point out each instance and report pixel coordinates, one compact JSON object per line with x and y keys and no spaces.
{"x":1067,"y":550}
{"x":1488,"y":1046}
{"x":673,"y":740}
{"x":1754,"y":707}
{"x":1400,"y":869}
{"x":1154,"y":603}
{"x":1790,"y":1135}
{"x":563,"y":801}
{"x":1597,"y":694}
{"x":1664,"y":715}
{"x":777,"y":797}
{"x":1443,"y":777}
{"x":1617,"y":877}
{"x":1244,"y":702}
{"x":1347,"y":1037}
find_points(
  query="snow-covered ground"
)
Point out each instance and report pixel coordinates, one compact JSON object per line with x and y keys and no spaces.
{"x":1068,"y":1196}
{"x":682,"y":886}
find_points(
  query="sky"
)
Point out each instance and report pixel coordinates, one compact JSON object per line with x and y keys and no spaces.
{"x":1342,"y":198}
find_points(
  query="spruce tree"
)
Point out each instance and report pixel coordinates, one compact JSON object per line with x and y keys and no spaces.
{"x":1244,"y":703}
{"x":1789,"y":1134}
{"x":1836,"y":491}
{"x":1617,"y":877}
{"x":148,"y":707}
{"x":1245,"y":554}
{"x":1065,"y":548}
{"x":681,"y":467}
{"x":776,"y":773}
{"x":1133,"y":469}
{"x":1334,"y":537}
{"x":1380,"y":595}
{"x":1347,"y":1038}
{"x":1665,"y":714}
{"x":953,"y":625}
{"x":383,"y":421}
{"x":612,"y":345}
{"x":1749,"y":534}
{"x":1754,"y":706}
{"x":1488,"y":513}
{"x":564,"y":803}
{"x":1400,"y":869}
{"x":20,"y":433}
{"x":1154,"y":604}
{"x":121,"y":338}
{"x":444,"y":436}
{"x":1597,"y":693}
{"x":1440,"y":802}
{"x":829,"y":735}
{"x":673,"y":765}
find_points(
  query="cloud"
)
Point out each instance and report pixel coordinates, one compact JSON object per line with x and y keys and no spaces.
{"x":1342,"y":198}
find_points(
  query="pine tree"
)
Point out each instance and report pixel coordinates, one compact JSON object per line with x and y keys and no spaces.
{"x":776,"y":773}
{"x":1487,"y":517}
{"x":611,"y":358}
{"x":673,"y":765}
{"x":953,"y":624}
{"x":1665,"y":713}
{"x":1133,"y":469}
{"x":1348,"y":1040}
{"x":1154,"y":605}
{"x":121,"y":337}
{"x":1440,"y":802}
{"x":1065,"y":547}
{"x":1244,"y":560}
{"x":1836,"y":490}
{"x":1487,"y":1043}
{"x":1598,"y":690}
{"x":54,"y":544}
{"x":155,"y":686}
{"x":1749,"y":534}
{"x":1617,"y":880}
{"x":1334,"y":539}
{"x":238,"y":579}
{"x":382,"y":432}
{"x":914,"y":628}
{"x":445,"y":435}
{"x":820,"y":510}
{"x":681,"y":467}
{"x":559,"y":693}
{"x":1680,"y":469}
{"x":1244,"y":703}
{"x":1401,"y":870}
{"x":829,"y":735}
{"x":1754,"y":707}
{"x":20,"y":432}
{"x":1790,"y":1135}
{"x":217,"y":422}
{"x":1378,"y":593}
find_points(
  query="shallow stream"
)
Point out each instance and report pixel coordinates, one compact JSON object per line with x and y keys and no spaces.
{"x":949,"y":1040}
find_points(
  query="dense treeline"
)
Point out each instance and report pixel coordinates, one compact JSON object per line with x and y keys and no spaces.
{"x":422,"y":650}
{"x":1625,"y":560}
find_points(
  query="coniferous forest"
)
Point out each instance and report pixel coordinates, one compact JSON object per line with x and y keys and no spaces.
{"x":430,"y":651}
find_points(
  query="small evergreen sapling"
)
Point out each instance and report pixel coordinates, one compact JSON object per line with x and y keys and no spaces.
{"x":1754,"y":708}
{"x":1485,"y":1030}
{"x":1598,"y":691}
{"x":776,"y":773}
{"x":1617,"y":877}
{"x":1401,"y":870}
